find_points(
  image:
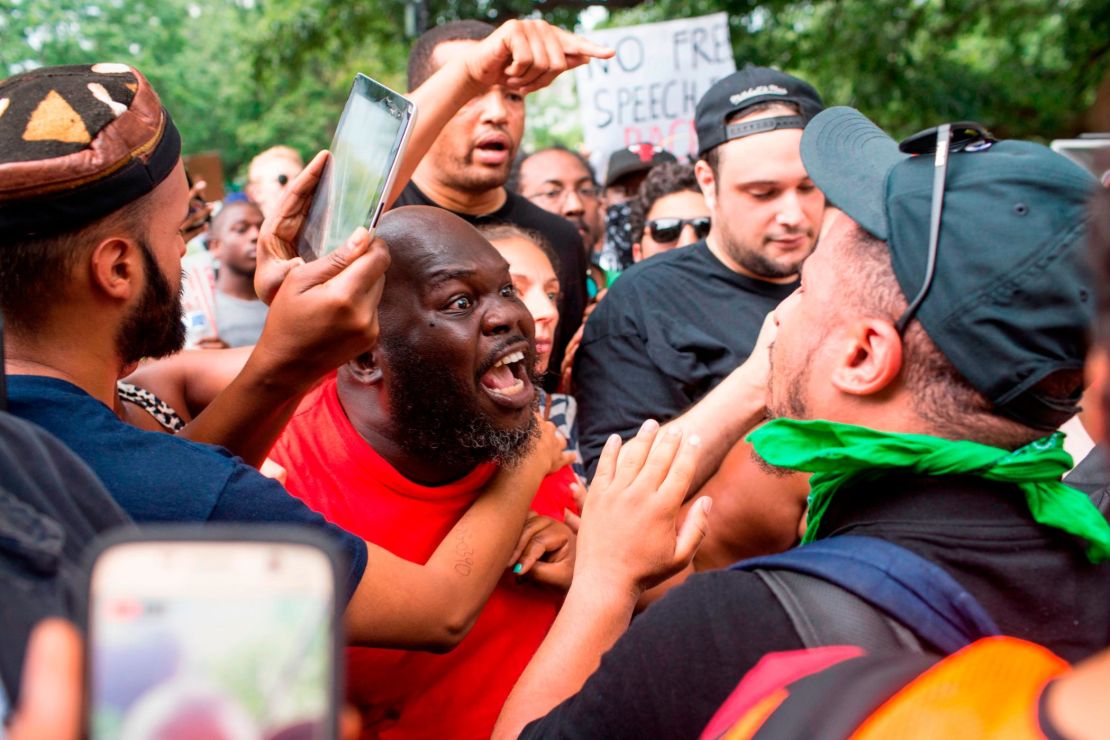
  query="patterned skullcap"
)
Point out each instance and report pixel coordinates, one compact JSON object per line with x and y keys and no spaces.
{"x":77,"y":143}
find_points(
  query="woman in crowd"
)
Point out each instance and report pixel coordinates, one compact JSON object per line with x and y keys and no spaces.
{"x":533,"y":271}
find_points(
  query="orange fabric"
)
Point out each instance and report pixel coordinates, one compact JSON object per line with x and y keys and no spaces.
{"x":746,"y":727}
{"x":990,"y":689}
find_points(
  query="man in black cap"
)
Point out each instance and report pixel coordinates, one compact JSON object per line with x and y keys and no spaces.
{"x":936,"y":341}
{"x":670,"y":329}
{"x":624,"y":173}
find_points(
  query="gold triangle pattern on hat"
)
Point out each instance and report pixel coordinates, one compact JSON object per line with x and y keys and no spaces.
{"x":55,"y":120}
{"x":4,"y":102}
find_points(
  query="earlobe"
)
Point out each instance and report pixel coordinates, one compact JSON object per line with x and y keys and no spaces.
{"x":637,"y":252}
{"x":365,"y":369}
{"x":114,"y":268}
{"x":870,"y":360}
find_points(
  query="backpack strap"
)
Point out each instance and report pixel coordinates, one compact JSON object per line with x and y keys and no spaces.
{"x":870,"y":592}
{"x":825,"y":614}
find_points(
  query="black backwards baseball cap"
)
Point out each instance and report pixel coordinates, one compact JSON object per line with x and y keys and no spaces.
{"x":1012,"y":300}
{"x":742,"y":89}
{"x":634,"y":159}
{"x":77,"y":143}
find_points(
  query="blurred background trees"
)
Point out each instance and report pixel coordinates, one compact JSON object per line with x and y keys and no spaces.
{"x":241,"y":75}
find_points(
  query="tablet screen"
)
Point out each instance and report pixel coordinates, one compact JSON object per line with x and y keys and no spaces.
{"x":364,"y":153}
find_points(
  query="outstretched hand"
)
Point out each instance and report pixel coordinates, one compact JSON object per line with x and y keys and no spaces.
{"x":628,"y":538}
{"x":526,"y":55}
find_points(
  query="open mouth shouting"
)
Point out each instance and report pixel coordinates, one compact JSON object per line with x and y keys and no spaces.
{"x":508,"y":380}
{"x":493,"y":149}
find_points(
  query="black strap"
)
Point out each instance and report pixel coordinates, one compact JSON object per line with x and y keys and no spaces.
{"x":762,"y":125}
{"x":890,"y":582}
{"x":839,"y":616}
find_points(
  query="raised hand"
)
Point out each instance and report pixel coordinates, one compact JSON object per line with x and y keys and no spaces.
{"x":527,"y":55}
{"x":323,"y":313}
{"x":628,"y":538}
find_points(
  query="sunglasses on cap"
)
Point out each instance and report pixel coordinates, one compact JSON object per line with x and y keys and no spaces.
{"x":667,"y":230}
{"x":965,"y":136}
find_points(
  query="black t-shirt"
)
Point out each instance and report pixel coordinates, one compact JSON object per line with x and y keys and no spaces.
{"x":51,"y":507}
{"x":681,"y":659}
{"x":669,"y":330}
{"x":564,"y":239}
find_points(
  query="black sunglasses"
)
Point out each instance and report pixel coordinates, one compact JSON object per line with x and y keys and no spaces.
{"x":666,"y":230}
{"x":965,"y":136}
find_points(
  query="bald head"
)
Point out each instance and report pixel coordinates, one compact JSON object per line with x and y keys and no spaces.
{"x":426,"y":245}
{"x":448,"y":385}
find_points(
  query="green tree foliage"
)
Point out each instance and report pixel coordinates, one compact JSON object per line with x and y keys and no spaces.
{"x":1026,"y":68}
{"x":242,"y":75}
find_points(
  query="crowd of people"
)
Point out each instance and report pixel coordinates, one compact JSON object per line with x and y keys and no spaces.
{"x":760,"y":444}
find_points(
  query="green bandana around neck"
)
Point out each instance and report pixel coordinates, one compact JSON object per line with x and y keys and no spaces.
{"x":838,"y":453}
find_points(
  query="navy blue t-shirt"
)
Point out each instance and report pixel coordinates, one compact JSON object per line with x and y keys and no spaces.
{"x":159,"y":478}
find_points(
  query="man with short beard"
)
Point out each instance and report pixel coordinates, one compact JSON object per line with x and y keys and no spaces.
{"x":398,"y":444}
{"x":673,"y":327}
{"x":468,"y":164}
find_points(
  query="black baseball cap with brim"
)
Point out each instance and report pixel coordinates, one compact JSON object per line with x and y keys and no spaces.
{"x":747,"y":88}
{"x":1012,"y":301}
{"x":632,"y":160}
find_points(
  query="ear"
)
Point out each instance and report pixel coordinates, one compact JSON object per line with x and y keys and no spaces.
{"x":365,"y":368}
{"x":870,"y":358}
{"x":116,"y":268}
{"x":707,"y":182}
{"x":637,"y":252}
{"x":1096,"y":399}
{"x":213,"y":246}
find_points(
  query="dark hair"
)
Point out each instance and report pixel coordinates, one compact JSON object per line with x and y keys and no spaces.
{"x":494,"y":232}
{"x":514,"y":176}
{"x":420,"y":56}
{"x":218,"y":221}
{"x":662,"y":179}
{"x":713,"y":156}
{"x":34,"y":269}
{"x":942,"y":397}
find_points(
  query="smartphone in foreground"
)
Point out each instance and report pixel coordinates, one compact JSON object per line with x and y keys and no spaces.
{"x":199,"y":634}
{"x":365,"y":153}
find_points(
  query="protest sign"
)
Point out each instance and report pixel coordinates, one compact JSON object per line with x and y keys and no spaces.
{"x":648,"y":91}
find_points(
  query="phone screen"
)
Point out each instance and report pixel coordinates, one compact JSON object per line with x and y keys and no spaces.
{"x":364,"y":153}
{"x":212,"y":639}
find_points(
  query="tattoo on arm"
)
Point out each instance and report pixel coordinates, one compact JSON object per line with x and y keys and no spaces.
{"x":464,"y":554}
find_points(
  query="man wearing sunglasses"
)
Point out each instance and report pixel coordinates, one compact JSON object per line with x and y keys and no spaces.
{"x":674,"y":326}
{"x":936,"y":342}
{"x":668,"y":212}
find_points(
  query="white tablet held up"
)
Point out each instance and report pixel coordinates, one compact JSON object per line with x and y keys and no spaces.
{"x":365,"y":153}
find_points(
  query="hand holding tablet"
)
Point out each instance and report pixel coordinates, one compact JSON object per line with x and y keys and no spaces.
{"x":368,"y":145}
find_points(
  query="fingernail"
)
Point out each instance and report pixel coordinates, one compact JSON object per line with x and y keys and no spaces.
{"x":614,"y":439}
{"x":518,"y":568}
{"x":674,"y":430}
{"x":648,"y":426}
{"x":693,"y":440}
